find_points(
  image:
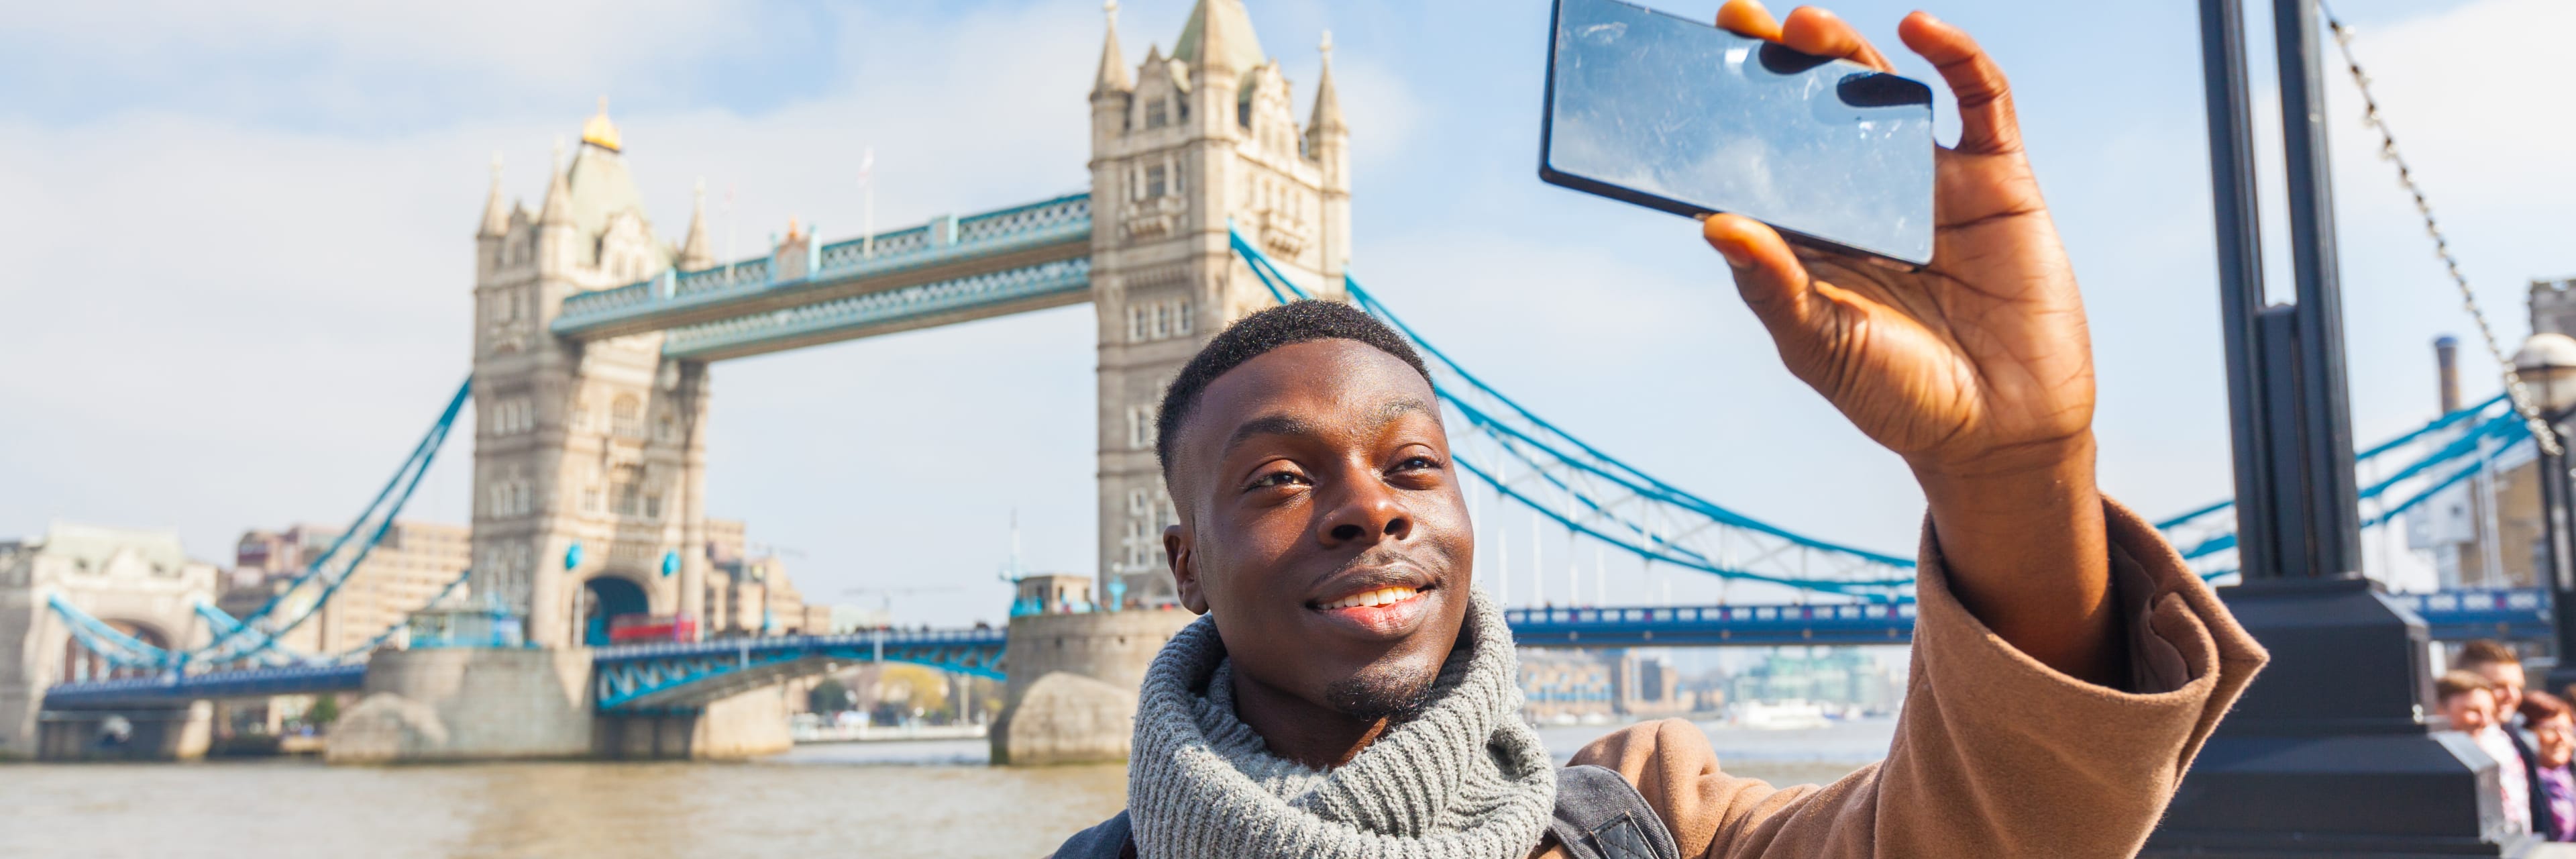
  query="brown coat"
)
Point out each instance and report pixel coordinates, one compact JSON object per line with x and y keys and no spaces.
{"x":1996,"y":755}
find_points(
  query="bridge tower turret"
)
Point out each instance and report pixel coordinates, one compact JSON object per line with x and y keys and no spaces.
{"x":589,"y":459}
{"x":1196,"y":140}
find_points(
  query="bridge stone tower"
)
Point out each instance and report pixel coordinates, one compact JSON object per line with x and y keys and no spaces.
{"x":589,"y":458}
{"x":1189,"y":142}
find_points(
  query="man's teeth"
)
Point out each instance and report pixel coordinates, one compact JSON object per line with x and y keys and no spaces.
{"x":1381,"y":596}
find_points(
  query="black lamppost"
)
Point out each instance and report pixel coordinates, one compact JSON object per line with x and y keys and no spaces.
{"x":2327,"y":753}
{"x":2547,"y":365}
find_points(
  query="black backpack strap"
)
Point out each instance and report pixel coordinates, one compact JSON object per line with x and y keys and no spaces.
{"x":1599,"y":815}
{"x":1112,"y":839}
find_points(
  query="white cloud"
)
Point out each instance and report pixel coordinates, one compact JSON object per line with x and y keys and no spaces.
{"x":245,"y":325}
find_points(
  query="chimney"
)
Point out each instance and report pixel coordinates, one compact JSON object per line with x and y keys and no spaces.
{"x":2446,"y":355}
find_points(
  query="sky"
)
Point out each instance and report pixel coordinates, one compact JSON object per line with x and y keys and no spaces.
{"x":241,"y":239}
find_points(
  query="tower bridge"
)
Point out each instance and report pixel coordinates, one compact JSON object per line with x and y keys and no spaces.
{"x":591,"y":384}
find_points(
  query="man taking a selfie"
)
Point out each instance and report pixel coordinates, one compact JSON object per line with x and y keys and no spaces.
{"x":1348,"y":693}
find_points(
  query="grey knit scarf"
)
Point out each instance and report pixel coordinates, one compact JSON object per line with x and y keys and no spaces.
{"x":1463,"y":779}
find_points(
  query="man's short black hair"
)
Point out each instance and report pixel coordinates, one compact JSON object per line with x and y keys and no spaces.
{"x":1257,"y":334}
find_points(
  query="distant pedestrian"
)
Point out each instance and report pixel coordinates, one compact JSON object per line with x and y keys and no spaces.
{"x":2467,"y":702}
{"x":2497,"y":663}
{"x":2464,"y":701}
{"x":2553,"y":783}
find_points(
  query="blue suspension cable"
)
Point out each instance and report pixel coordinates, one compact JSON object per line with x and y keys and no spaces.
{"x":223,"y":647}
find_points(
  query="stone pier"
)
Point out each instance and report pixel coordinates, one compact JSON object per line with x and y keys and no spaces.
{"x":136,"y":734}
{"x":1072,"y":693}
{"x":469,"y":704}
{"x":748,"y":725}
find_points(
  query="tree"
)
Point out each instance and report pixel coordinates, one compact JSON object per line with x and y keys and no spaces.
{"x":828,"y":696}
{"x":326,"y":709}
{"x":913,"y":691}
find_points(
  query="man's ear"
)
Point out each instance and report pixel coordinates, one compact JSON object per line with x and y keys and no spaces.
{"x":1185,"y":572}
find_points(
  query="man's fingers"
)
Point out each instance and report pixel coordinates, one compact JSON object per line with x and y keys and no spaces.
{"x":1821,"y":33}
{"x":1987,"y":125}
{"x":1748,"y":18}
{"x":1774,"y":284}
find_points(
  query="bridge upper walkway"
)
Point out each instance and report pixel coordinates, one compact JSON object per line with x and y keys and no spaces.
{"x":953,"y":269}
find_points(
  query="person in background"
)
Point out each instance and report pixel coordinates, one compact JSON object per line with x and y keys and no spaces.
{"x":2464,"y":701}
{"x":2467,"y":702}
{"x":2553,"y":783}
{"x":2492,"y":660}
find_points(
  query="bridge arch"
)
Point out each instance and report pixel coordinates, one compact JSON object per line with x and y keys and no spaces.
{"x":608,"y":595}
{"x":687,"y":675}
{"x":81,"y":663}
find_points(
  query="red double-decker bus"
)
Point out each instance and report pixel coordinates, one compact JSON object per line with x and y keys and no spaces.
{"x":643,"y":628}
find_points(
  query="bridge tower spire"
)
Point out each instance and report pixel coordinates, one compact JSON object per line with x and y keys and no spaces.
{"x":496,"y":214}
{"x":1112,"y":78}
{"x":1205,"y":139}
{"x":697,"y":252}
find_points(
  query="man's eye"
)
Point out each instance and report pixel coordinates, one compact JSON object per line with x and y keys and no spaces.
{"x":1416,"y":463}
{"x":1276,"y":478}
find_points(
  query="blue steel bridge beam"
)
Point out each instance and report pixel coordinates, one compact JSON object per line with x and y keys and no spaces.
{"x":663,"y":676}
{"x":994,"y":293}
{"x":1018,"y":237}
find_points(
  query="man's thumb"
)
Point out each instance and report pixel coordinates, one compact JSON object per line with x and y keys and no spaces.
{"x":1774,"y":284}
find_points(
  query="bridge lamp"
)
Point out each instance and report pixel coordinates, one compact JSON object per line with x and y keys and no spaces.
{"x":2547,"y":365}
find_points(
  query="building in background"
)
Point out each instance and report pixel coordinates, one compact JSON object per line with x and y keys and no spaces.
{"x":2487,"y":531}
{"x":1649,"y":686}
{"x":412,"y":565}
{"x":1561,"y":686}
{"x":750,"y":593}
{"x":1843,"y":677}
{"x":1051,"y":593}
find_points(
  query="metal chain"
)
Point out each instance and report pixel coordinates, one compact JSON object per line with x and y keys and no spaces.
{"x":2513,"y":386}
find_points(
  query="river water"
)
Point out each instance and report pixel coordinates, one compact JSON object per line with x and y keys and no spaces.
{"x":932,"y":798}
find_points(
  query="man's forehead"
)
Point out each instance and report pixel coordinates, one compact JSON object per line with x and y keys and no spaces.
{"x":1316,"y":376}
{"x":1302,"y":387}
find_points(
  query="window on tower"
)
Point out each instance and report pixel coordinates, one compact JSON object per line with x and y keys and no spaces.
{"x":1154,"y":181}
{"x":626,"y":416}
{"x":1158,"y":113}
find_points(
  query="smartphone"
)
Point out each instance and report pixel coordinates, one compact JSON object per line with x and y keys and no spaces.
{"x":1672,"y":114}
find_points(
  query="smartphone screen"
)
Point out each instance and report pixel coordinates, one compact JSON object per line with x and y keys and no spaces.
{"x":1672,"y":114}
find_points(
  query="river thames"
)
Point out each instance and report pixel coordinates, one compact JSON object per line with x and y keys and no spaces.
{"x":933,"y":798}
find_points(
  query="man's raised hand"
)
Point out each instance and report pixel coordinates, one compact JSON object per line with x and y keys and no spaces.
{"x":1976,"y":369}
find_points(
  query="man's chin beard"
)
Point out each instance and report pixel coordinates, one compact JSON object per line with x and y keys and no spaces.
{"x":1397,"y":693}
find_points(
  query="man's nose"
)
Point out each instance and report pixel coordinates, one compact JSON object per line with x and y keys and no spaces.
{"x":1368,"y":512}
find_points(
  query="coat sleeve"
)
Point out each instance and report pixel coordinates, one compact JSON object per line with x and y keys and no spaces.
{"x":1995,"y":754}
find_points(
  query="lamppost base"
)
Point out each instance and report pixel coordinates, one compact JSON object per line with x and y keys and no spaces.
{"x":2326,"y":754}
{"x":2380,"y":796}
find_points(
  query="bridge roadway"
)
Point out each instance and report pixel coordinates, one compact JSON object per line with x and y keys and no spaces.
{"x":680,"y":676}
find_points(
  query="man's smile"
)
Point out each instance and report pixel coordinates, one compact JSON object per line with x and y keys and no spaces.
{"x":1381,"y":604}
